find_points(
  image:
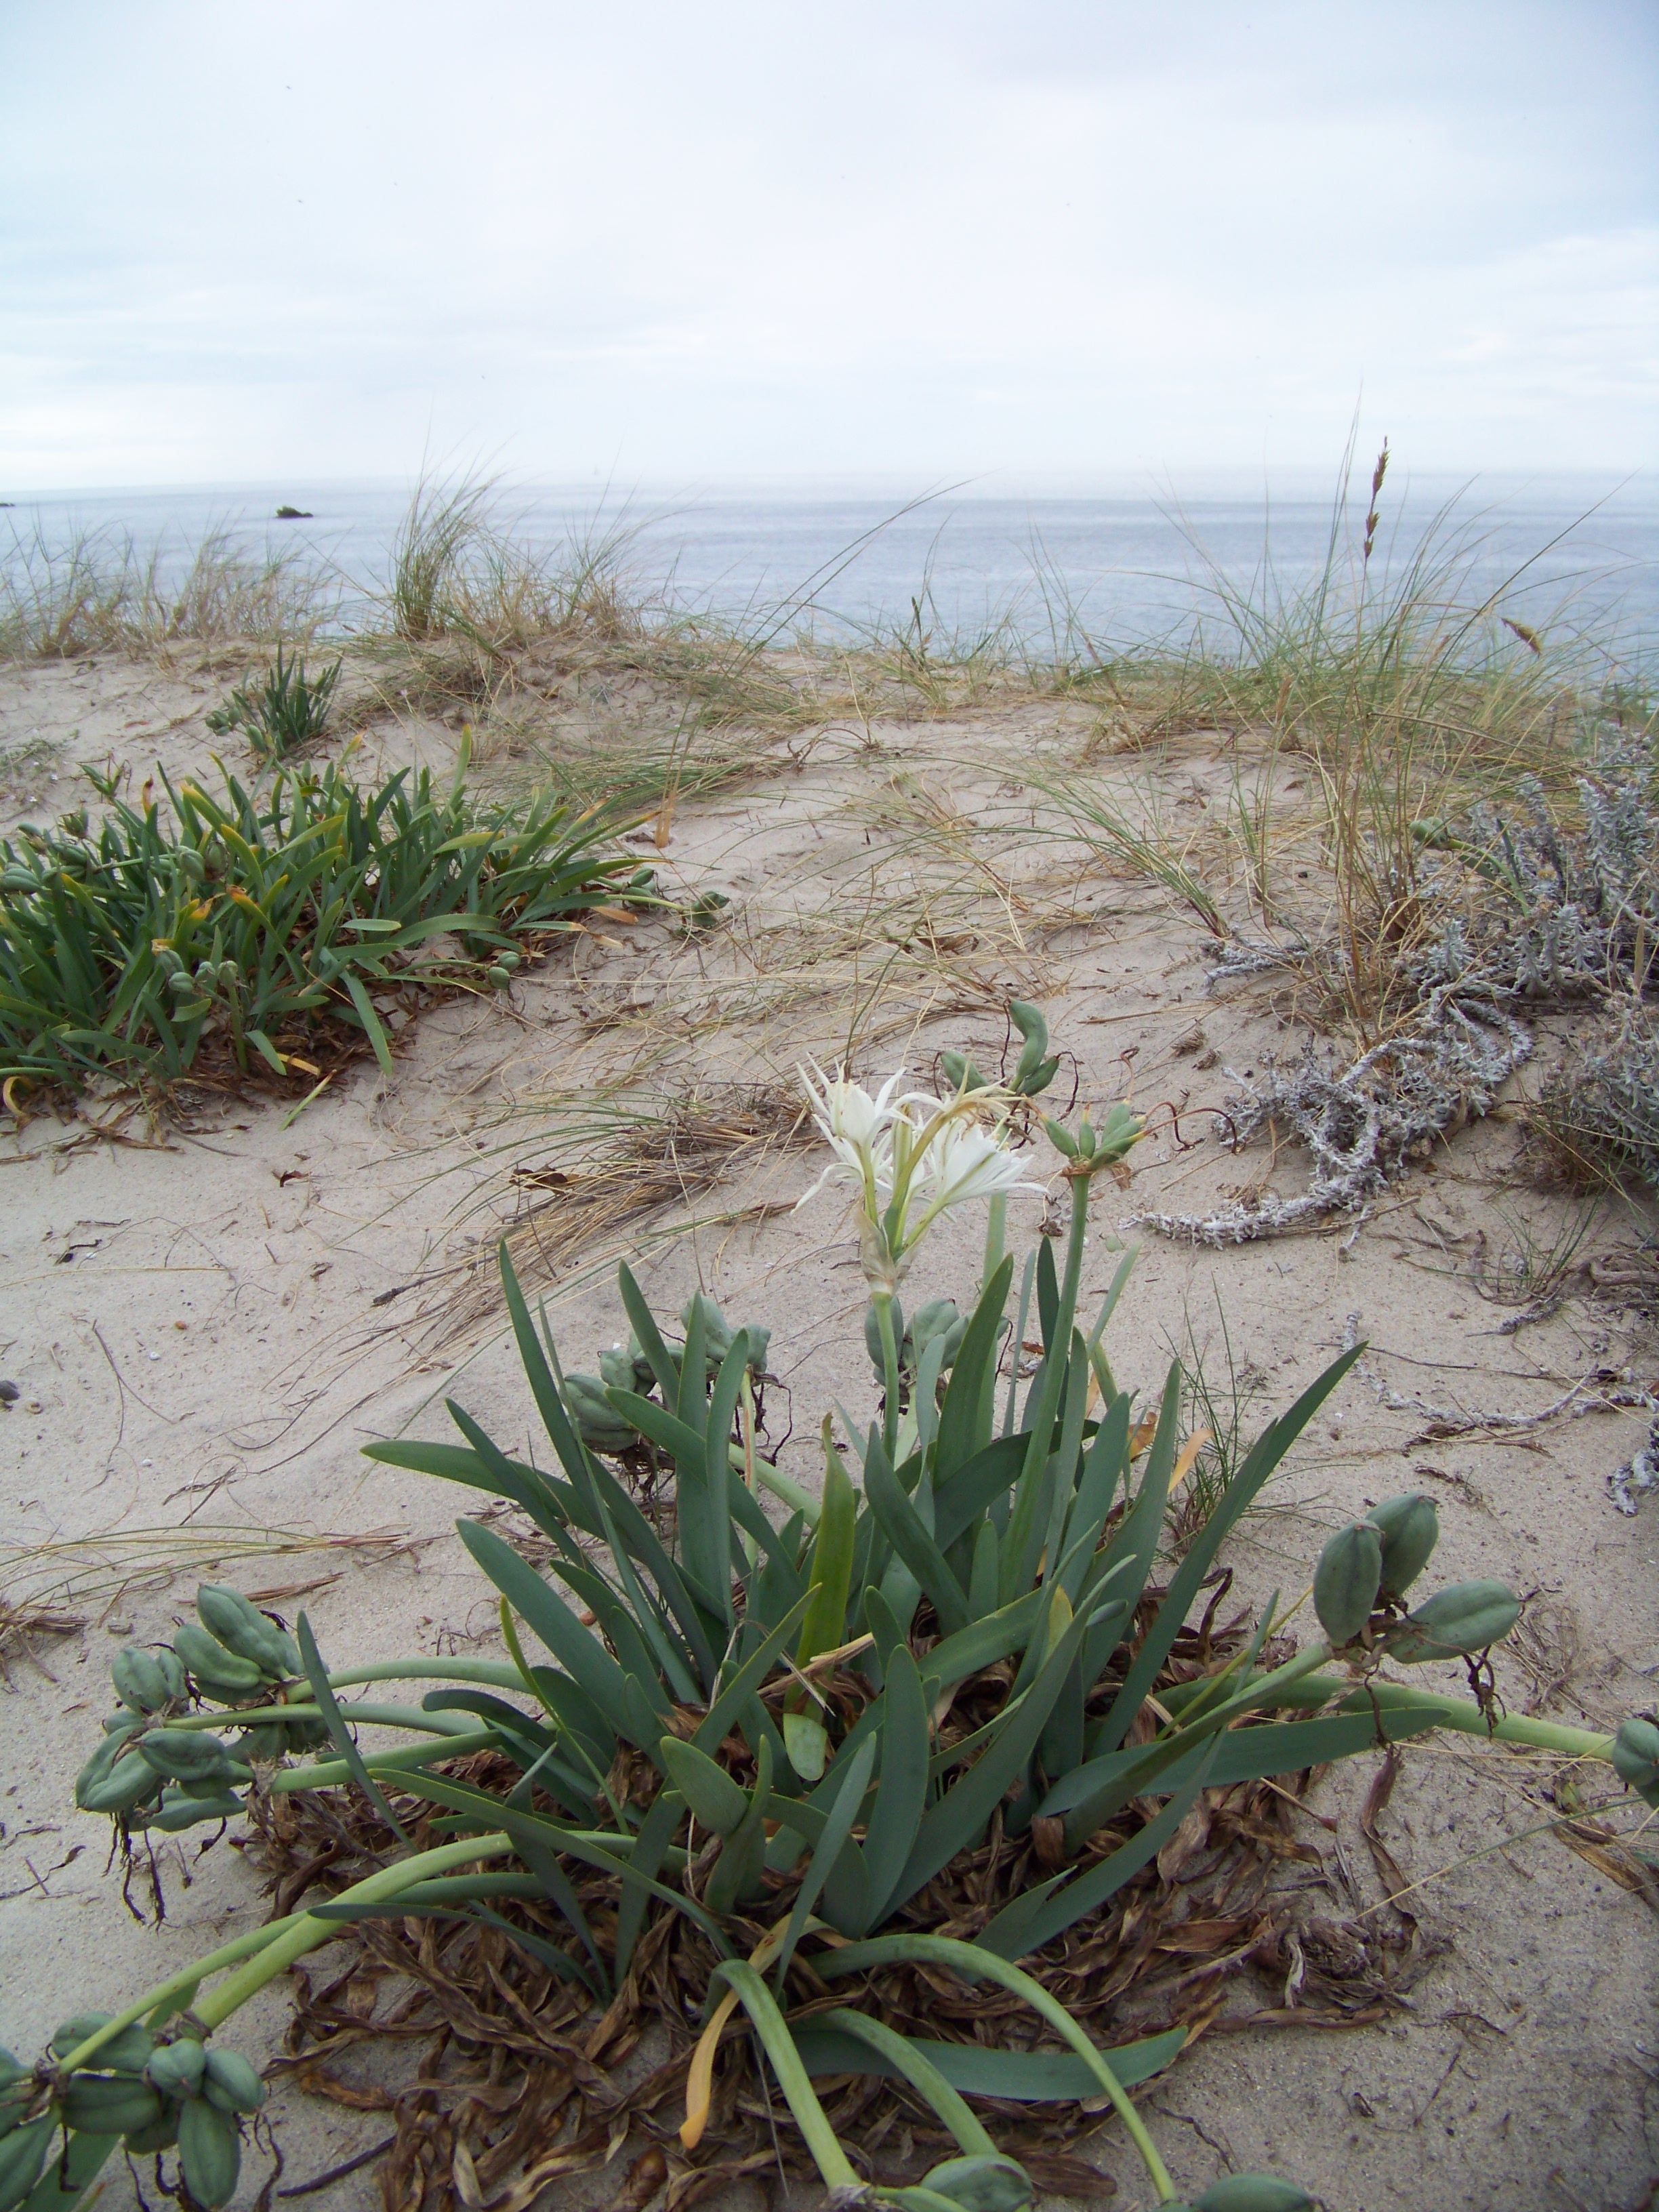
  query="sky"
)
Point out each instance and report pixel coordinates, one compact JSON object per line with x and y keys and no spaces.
{"x":1038,"y":239}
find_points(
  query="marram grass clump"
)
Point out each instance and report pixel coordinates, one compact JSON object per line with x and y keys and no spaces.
{"x":930,"y":1719}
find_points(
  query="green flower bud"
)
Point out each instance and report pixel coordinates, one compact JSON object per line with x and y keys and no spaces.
{"x":1410,"y":1528}
{"x":1346,"y":1581}
{"x":1469,"y":1617}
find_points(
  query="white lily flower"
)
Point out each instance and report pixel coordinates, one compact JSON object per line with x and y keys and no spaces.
{"x":912,"y":1158}
{"x":965,"y":1163}
{"x":858,"y":1129}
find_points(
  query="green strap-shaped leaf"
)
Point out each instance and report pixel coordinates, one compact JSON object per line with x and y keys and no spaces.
{"x":714,"y":1798}
{"x":328,"y":1706}
{"x":1263,"y":1457}
{"x":959,"y":1819}
{"x":913,"y":2062}
{"x":903,"y":1528}
{"x":1030,"y":1922}
{"x":901,"y":1797}
{"x":738,"y":1872}
{"x":542,"y":1497}
{"x":983,"y":1642}
{"x":645,"y":1327}
{"x":572,"y":1452}
{"x":1252,"y":1754}
{"x":1104,"y":1466}
{"x":1025,"y":2077}
{"x":964,"y":1424}
{"x":959,"y":1502}
{"x":650,"y":1849}
{"x":370,"y":1020}
{"x":583,"y":1657}
{"x":1136,"y":1540}
{"x":723,"y":1713}
{"x":837,"y":1828}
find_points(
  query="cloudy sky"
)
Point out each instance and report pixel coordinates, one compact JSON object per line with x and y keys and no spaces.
{"x":1058,"y":239}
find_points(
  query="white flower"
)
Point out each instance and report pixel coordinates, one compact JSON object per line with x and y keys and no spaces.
{"x":912,"y":1159}
{"x":965,"y":1162}
{"x":858,"y":1129}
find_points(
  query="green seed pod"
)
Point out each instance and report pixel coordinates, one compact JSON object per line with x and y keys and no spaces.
{"x":210,"y":2152}
{"x":126,"y":2053}
{"x":215,"y":1670}
{"x":938,"y":1317}
{"x":232,"y":2083}
{"x":1060,"y":1139}
{"x":1346,"y":1581}
{"x":173,"y":1674}
{"x":1468,"y":1617}
{"x":16,"y":2088}
{"x":1035,"y":1072}
{"x":1254,"y":2192}
{"x":263,"y":1744}
{"x":128,"y":1782}
{"x":124,"y":1724}
{"x":1636,"y":1757}
{"x":176,"y":2069}
{"x":186,"y":1754}
{"x":982,"y":2183}
{"x":179,"y":1810}
{"x":596,"y":1420}
{"x":143,"y":2142}
{"x":961,"y":1074}
{"x":1410,"y":1528}
{"x":138,"y":1679}
{"x":242,"y":1628}
{"x":97,"y":1768}
{"x":617,"y":1371}
{"x":508,"y":960}
{"x":23,"y":2155}
{"x":109,"y":2104}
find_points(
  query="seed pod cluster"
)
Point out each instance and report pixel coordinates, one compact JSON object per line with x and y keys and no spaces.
{"x":148,"y":1773}
{"x":1373,"y":1562}
{"x":151,"y":2094}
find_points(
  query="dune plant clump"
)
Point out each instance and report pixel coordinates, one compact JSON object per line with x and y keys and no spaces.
{"x":287,"y":711}
{"x":244,"y":928}
{"x":929,"y":1718}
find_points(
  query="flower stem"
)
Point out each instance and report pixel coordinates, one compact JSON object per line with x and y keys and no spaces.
{"x":386,"y":1883}
{"x":883,"y":1302}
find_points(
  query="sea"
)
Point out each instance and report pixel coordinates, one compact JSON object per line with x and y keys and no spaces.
{"x":1575,"y":560}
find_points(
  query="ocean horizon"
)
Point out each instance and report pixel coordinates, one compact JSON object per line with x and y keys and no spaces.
{"x":1574,"y":556}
